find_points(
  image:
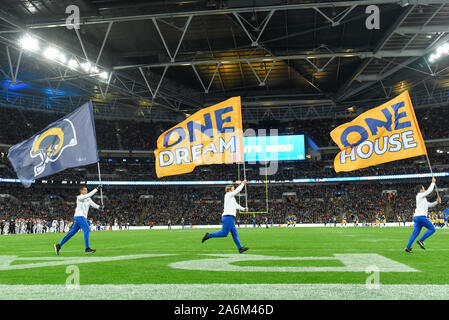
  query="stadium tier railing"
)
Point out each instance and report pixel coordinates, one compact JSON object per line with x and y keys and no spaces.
{"x":225,"y":182}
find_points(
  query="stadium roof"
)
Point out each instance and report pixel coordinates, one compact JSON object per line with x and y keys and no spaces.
{"x":287,"y":59}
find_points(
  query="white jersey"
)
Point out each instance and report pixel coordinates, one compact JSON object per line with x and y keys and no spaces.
{"x":54,"y":226}
{"x":92,"y":226}
{"x":22,"y":227}
{"x":6,"y":228}
{"x":39,"y":226}
{"x":422,"y":205}
{"x":230,"y":204}
{"x":83,"y":202}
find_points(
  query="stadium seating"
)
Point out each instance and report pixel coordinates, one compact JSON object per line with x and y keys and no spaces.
{"x":317,"y":203}
{"x":20,"y":124}
{"x":311,"y":204}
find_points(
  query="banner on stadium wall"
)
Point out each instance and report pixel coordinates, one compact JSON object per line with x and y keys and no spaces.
{"x":213,"y":135}
{"x":386,"y":133}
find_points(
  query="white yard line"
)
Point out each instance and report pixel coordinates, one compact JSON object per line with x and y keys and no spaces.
{"x":226,"y":291}
{"x":5,"y":261}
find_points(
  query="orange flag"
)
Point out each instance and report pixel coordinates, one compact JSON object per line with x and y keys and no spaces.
{"x":213,"y":135}
{"x":386,"y":133}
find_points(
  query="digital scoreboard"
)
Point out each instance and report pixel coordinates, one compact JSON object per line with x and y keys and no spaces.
{"x":274,"y":148}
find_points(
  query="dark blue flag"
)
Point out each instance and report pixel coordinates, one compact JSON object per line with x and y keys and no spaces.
{"x":67,"y":143}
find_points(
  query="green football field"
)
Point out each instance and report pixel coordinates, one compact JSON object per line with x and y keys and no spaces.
{"x":299,"y":263}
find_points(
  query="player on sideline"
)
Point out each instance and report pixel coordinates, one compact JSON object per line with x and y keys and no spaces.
{"x":420,"y":217}
{"x":343,"y":221}
{"x":83,"y":202}
{"x":445,"y":217}
{"x":356,"y":221}
{"x":228,"y":217}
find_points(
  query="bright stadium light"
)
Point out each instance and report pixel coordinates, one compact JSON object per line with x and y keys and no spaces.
{"x":86,"y":66}
{"x":29,"y":43}
{"x":439,"y":52}
{"x":73,"y":64}
{"x":104,"y":75}
{"x":54,"y":53}
{"x":443,"y":49}
{"x":51,"y":53}
{"x":62,"y":58}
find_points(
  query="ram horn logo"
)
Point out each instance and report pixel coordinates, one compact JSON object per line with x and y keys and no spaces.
{"x":50,"y":144}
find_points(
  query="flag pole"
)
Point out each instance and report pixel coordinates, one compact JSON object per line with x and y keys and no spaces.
{"x":244,"y":178}
{"x":99,"y":178}
{"x":244,"y":175}
{"x":431,"y":171}
{"x":238,"y":176}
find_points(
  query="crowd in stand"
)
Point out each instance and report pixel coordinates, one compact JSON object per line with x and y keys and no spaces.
{"x":199,"y":205}
{"x":36,"y":209}
{"x":116,"y":169}
{"x":18,"y":124}
{"x":432,"y":122}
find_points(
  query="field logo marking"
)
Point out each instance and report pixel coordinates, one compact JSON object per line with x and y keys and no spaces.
{"x":5,"y":261}
{"x":373,"y":280}
{"x":73,"y":280}
{"x":351,"y":262}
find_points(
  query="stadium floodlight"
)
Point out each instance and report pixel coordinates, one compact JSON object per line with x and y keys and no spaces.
{"x":443,"y":49}
{"x":86,"y":66}
{"x":54,"y":53}
{"x":51,"y":53}
{"x":73,"y":64}
{"x":62,"y":58}
{"x":104,"y":75}
{"x":439,"y":52}
{"x":29,"y":43}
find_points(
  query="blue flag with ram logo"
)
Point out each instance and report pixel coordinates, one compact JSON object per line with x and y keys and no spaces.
{"x":67,"y":143}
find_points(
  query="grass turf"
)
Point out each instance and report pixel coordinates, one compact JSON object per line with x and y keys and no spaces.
{"x":186,"y":245}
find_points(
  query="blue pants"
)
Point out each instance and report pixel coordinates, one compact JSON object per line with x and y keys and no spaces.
{"x":80,"y":223}
{"x":228,"y":225}
{"x":420,"y":222}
